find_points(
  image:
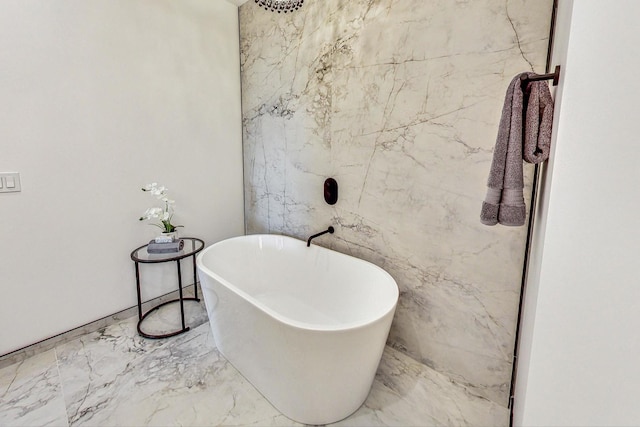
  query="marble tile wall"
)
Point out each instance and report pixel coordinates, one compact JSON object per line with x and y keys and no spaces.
{"x":399,"y":101}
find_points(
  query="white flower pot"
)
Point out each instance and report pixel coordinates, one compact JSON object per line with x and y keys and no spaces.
{"x":167,"y":236}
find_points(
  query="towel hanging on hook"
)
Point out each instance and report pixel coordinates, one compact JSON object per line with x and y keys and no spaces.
{"x":524,"y":134}
{"x":526,"y":78}
{"x":536,"y":141}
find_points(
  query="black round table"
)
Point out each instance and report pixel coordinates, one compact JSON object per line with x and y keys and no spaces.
{"x":191,"y":247}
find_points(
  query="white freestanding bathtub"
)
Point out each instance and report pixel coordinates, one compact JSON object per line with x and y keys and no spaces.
{"x":305,"y":325}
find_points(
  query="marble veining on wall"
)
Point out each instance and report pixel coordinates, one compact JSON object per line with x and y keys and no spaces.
{"x":399,"y":102}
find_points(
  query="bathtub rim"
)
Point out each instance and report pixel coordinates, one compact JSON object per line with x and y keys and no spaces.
{"x":284,"y":319}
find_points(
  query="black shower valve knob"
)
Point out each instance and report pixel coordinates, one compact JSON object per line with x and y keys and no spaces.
{"x":330,"y":191}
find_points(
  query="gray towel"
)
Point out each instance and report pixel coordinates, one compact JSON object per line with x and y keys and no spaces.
{"x":165,"y":248}
{"x":504,"y":202}
{"x":538,"y":122}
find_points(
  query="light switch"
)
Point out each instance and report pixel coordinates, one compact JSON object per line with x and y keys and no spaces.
{"x":10,"y":182}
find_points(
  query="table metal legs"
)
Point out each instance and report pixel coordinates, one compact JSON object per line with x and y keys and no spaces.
{"x":181,"y":300}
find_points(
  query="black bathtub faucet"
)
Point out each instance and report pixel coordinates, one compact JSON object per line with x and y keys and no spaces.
{"x":328,"y":230}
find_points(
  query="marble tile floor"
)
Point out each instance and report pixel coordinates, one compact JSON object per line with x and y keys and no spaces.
{"x":156,"y":323}
{"x":114,"y":377}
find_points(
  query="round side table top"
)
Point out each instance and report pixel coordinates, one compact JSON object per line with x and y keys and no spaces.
{"x":191,"y":247}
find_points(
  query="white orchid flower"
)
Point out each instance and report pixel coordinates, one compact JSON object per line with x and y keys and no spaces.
{"x":158,"y":191}
{"x":152,"y":213}
{"x":163,"y":214}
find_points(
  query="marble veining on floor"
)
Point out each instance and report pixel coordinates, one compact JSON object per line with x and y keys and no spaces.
{"x":113,"y":377}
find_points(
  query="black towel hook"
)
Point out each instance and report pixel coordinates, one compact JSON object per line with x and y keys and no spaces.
{"x":555,"y":76}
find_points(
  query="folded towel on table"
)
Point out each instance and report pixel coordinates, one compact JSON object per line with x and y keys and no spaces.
{"x":504,"y":202}
{"x":164,"y":248}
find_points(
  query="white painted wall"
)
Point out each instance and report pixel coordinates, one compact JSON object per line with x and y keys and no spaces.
{"x":580,"y":340}
{"x":97,"y":99}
